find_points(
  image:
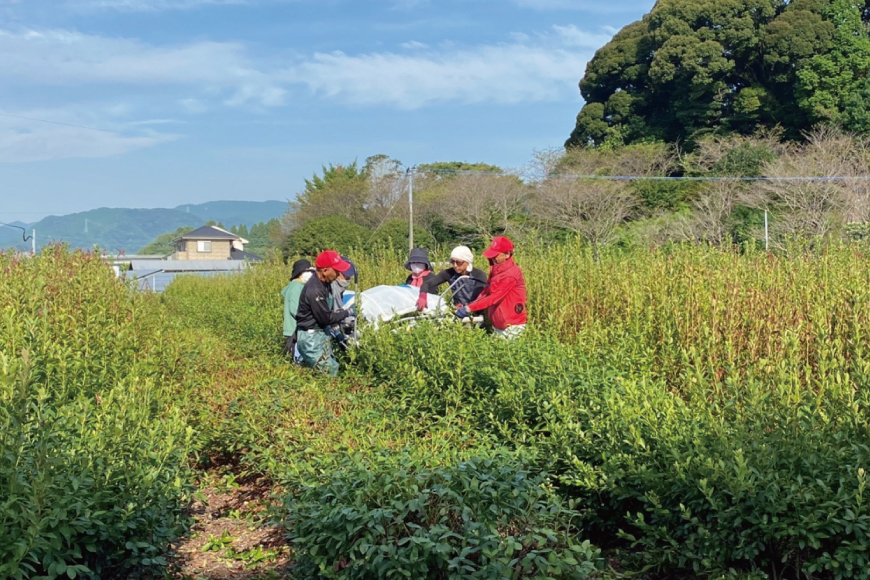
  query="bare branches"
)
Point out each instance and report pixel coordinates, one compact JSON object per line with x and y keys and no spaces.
{"x":645,"y":160}
{"x":713,"y":210}
{"x":817,"y":208}
{"x":593,"y":209}
{"x":484,"y":204}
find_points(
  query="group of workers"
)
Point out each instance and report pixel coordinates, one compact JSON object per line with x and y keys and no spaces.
{"x":314,"y":314}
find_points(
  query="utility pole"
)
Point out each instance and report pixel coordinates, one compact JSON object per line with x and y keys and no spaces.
{"x":33,"y":242}
{"x":766,"y":237}
{"x":410,"y":173}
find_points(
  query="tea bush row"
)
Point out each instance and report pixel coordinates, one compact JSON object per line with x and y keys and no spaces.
{"x":705,"y":406}
{"x":346,"y":456}
{"x":752,"y":476}
{"x":407,"y":515}
{"x":93,"y":452}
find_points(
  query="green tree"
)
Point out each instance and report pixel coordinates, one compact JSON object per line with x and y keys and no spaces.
{"x":447,"y":168}
{"x":395,"y":233}
{"x":341,"y":190}
{"x":164,"y":245}
{"x":694,"y":67}
{"x":261,"y":237}
{"x":325,"y":233}
{"x":835,"y":81}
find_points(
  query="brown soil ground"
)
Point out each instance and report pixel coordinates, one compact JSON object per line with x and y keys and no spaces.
{"x":230,"y":529}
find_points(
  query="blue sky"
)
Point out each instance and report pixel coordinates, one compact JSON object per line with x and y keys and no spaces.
{"x":156,"y":103}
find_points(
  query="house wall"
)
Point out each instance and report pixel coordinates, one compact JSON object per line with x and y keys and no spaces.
{"x":220,"y":250}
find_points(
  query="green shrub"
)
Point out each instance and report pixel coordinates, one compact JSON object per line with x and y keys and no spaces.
{"x":325,"y":233}
{"x":93,"y":452}
{"x":707,"y":407}
{"x":90,"y":483}
{"x":406,"y":516}
{"x":244,"y":310}
{"x":754,"y":476}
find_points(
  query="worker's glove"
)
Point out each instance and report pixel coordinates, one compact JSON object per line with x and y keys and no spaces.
{"x":348,"y":322}
{"x":422,"y":301}
{"x":462,"y":312}
{"x":335,"y":332}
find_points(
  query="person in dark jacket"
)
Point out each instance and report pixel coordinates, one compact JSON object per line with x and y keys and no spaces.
{"x":466,"y":289}
{"x":504,"y":298}
{"x":315,"y":315}
{"x":420,"y":267}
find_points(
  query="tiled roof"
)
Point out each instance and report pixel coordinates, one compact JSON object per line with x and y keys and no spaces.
{"x":209,"y":233}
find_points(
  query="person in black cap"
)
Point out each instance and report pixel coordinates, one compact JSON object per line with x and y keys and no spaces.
{"x":420,"y":267}
{"x":302,"y":271}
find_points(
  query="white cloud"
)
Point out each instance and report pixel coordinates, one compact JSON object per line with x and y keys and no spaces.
{"x":147,"y":122}
{"x":543,"y":67}
{"x":193,"y":106}
{"x":60,"y":57}
{"x":38,"y":135}
{"x":572,"y":36}
{"x":197,"y":77}
{"x":414,"y":45}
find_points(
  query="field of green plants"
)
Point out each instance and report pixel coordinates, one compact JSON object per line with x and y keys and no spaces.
{"x":680,"y":412}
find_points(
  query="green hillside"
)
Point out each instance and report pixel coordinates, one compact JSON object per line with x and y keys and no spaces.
{"x":115,"y":229}
{"x":230,"y":213}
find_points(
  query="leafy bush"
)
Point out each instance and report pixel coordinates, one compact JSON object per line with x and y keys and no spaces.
{"x":706,"y":408}
{"x":92,"y":450}
{"x":751,"y":475}
{"x":91,"y":483}
{"x":402,"y":515}
{"x":324,"y":233}
{"x":245,"y":310}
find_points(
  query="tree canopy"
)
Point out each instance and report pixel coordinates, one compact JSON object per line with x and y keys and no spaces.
{"x":164,"y":244}
{"x":695,"y":67}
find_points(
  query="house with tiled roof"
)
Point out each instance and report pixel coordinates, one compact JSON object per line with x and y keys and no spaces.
{"x":211,"y":243}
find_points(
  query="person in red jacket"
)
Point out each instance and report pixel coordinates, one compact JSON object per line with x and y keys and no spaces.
{"x":504,"y":298}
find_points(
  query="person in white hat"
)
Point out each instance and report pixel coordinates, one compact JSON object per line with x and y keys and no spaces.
{"x":471,"y":281}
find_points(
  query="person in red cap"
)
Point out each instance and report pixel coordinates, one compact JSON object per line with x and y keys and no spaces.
{"x":504,"y":298}
{"x":315,"y":314}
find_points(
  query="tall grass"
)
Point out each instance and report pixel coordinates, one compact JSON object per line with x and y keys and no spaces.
{"x":717,"y":314}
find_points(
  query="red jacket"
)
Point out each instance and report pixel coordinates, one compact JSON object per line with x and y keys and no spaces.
{"x":504,"y":297}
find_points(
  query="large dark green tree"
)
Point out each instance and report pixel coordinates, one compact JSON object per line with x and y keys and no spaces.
{"x":693,"y":67}
{"x":832,"y":85}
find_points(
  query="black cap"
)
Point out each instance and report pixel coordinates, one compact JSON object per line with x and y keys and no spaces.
{"x":300,"y":266}
{"x":420,"y":255}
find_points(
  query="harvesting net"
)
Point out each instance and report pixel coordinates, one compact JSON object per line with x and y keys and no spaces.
{"x":383,"y":303}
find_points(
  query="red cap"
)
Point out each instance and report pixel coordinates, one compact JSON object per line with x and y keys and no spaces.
{"x":331,"y":259}
{"x":500,"y":245}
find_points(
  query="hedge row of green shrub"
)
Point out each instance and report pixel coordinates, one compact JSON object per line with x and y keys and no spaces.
{"x":93,"y":453}
{"x":752,"y":477}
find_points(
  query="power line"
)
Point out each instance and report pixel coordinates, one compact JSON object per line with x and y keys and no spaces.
{"x":24,"y":235}
{"x":452,"y":172}
{"x":711,"y":178}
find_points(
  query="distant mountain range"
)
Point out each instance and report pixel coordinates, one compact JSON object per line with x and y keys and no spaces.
{"x":116,"y":229}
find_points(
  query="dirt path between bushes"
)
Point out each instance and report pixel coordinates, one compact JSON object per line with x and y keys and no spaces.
{"x":231,"y":538}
